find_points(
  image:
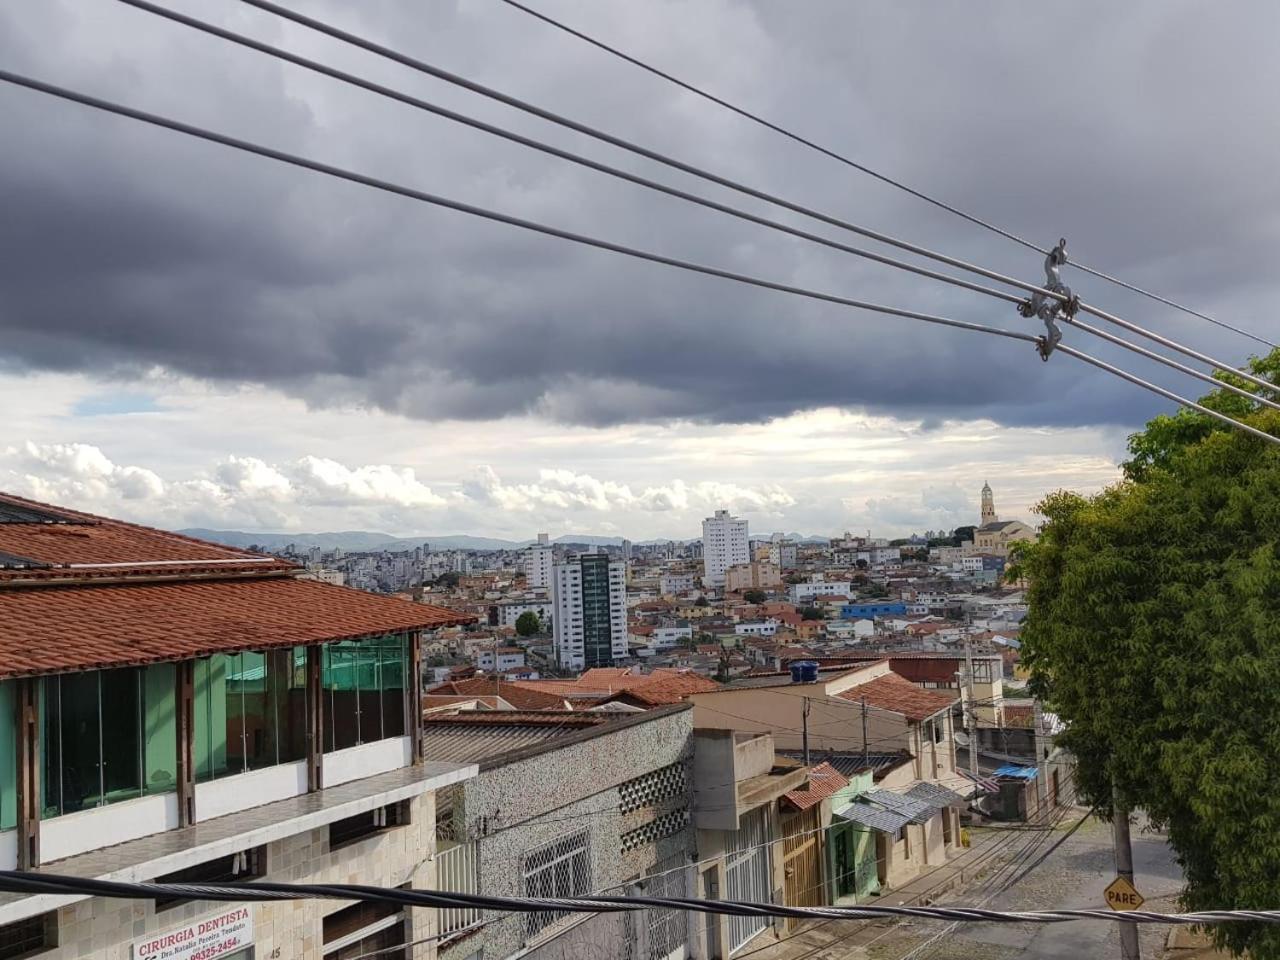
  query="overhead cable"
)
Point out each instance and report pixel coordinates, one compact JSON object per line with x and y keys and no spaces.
{"x":439,"y":73}
{"x":425,"y":197}
{"x":849,"y":162}
{"x":554,"y":151}
{"x":14,"y":881}
{"x":1167,"y":394}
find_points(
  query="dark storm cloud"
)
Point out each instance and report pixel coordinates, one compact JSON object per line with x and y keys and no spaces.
{"x":1140,"y":133}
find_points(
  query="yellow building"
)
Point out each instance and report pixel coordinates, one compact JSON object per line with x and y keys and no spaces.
{"x":759,"y":575}
{"x":995,"y":535}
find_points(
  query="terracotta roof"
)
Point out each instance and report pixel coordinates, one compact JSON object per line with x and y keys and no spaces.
{"x":892,"y":692}
{"x":58,"y":628}
{"x":824,"y":781}
{"x":41,"y":542}
{"x":666,"y":687}
{"x":513,"y":691}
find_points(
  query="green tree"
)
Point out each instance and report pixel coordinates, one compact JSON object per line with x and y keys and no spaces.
{"x":448,"y":580}
{"x":528,"y":624}
{"x":1154,"y":632}
{"x":961,"y":534}
{"x":812,"y":613}
{"x":754,"y":596}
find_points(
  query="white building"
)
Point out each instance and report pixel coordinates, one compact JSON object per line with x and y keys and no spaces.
{"x":665,"y":638}
{"x":509,"y":611}
{"x":724,"y":544}
{"x":538,"y":560}
{"x":507,"y":658}
{"x":590,"y":618}
{"x":670,"y":584}
{"x":761,"y":628}
{"x":804,"y":592}
{"x":782,"y":552}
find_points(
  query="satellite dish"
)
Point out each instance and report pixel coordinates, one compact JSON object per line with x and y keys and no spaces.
{"x":962,"y":739}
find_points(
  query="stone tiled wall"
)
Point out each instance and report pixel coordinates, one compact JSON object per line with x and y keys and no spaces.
{"x":105,"y":929}
{"x":519,"y":807}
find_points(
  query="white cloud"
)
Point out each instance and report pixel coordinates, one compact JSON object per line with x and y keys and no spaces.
{"x":566,"y":490}
{"x":328,"y":482}
{"x":79,"y":471}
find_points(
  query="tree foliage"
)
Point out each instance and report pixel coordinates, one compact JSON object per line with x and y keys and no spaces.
{"x":528,"y":624}
{"x":754,"y":596}
{"x":1154,"y":632}
{"x":812,"y":613}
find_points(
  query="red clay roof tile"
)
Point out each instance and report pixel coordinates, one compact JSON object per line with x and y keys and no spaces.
{"x":58,"y":628}
{"x":824,"y":781}
{"x":892,"y":692}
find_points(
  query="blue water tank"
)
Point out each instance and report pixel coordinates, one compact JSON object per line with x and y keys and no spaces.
{"x":804,"y":671}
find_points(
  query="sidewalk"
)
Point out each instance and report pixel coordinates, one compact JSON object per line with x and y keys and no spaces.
{"x":826,"y":941}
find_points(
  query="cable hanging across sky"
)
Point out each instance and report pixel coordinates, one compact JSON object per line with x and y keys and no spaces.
{"x":418,"y":103}
{"x":447,"y":76}
{"x":863,"y":168}
{"x":14,"y":881}
{"x":436,"y":200}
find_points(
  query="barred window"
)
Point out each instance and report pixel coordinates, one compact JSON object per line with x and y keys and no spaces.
{"x":560,"y":869}
{"x":663,"y":784}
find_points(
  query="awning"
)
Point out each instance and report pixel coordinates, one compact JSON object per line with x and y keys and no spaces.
{"x":936,"y":795}
{"x":915,"y":810}
{"x":1013,"y":771}
{"x":886,"y":821}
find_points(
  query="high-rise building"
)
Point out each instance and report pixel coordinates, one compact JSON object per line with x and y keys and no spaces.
{"x":988,"y":505}
{"x":590,"y":621}
{"x":724,"y":544}
{"x":538,"y":561}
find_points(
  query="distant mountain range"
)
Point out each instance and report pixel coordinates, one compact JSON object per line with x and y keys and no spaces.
{"x":366,"y":540}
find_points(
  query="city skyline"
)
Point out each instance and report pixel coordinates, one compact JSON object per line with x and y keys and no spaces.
{"x":231,"y":360}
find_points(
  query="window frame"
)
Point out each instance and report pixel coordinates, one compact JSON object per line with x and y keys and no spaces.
{"x":539,"y":922}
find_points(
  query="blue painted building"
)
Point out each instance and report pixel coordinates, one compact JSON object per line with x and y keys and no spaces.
{"x":869,"y":611}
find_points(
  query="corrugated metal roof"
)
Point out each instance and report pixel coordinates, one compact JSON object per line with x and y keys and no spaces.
{"x":935,"y":795}
{"x":458,"y":744}
{"x":852,"y":763}
{"x":886,"y":821}
{"x":915,"y":810}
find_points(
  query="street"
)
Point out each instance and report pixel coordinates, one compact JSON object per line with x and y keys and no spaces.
{"x":1074,"y":875}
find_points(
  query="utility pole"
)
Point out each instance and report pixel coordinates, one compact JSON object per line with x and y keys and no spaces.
{"x":970,"y":720}
{"x":1124,"y":868}
{"x":864,"y":731}
{"x":804,"y":718}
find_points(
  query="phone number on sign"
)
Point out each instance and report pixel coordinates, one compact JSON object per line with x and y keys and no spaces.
{"x":216,"y":950}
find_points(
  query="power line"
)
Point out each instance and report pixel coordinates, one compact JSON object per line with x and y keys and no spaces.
{"x":847,"y":161}
{"x":14,"y":881}
{"x":439,"y":73}
{"x":422,"y":196}
{"x":554,"y":151}
{"x":440,"y":201}
{"x":1168,"y":394}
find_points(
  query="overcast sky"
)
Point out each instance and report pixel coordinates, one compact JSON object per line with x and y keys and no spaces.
{"x":194,"y":336}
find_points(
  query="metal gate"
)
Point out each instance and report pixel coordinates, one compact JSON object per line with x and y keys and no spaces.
{"x":747,"y":875}
{"x":802,"y":863}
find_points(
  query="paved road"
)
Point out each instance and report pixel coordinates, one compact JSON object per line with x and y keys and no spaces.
{"x":1074,"y":876}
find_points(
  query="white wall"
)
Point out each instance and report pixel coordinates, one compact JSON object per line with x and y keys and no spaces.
{"x":86,"y":830}
{"x":217,"y":798}
{"x":9,"y":850}
{"x":366,"y":760}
